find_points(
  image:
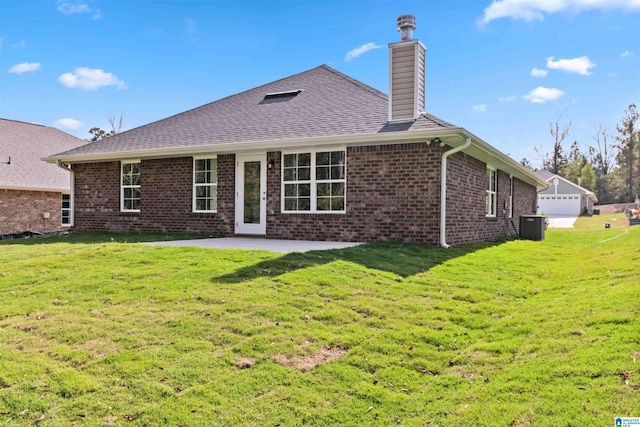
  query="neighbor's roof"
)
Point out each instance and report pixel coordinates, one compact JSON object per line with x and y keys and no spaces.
{"x":26,"y":144}
{"x":317,"y":107}
{"x":329,"y":104}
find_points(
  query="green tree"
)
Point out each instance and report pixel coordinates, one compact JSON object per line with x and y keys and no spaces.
{"x":629,"y":152}
{"x":588,"y":177}
{"x":97,"y":133}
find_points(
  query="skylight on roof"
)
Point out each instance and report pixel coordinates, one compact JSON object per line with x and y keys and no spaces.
{"x":283,"y":94}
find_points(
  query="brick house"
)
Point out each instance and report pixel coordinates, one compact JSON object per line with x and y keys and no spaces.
{"x":317,"y":156}
{"x":34,"y":196}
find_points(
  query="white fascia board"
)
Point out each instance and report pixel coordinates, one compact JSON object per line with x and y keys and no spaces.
{"x":261,"y":146}
{"x":38,"y":189}
{"x":506,"y":163}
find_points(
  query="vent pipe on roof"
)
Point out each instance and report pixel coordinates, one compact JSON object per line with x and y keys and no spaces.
{"x":406,"y":24}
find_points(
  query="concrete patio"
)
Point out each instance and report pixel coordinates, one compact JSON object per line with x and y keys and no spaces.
{"x":272,"y":245}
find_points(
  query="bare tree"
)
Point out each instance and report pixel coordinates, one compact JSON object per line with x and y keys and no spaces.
{"x":557,"y":157}
{"x":97,"y":133}
{"x":601,"y":155}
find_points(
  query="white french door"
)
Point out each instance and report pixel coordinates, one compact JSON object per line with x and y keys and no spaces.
{"x":251,"y":194}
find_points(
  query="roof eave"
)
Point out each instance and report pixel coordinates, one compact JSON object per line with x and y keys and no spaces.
{"x":249,"y":146}
{"x":455,"y":136}
{"x":38,"y":189}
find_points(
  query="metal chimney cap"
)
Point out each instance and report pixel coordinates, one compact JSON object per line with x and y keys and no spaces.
{"x":406,"y":24}
{"x":406,"y":21}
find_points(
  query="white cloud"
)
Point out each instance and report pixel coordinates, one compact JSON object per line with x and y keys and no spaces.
{"x":536,"y":72}
{"x":541,"y":94}
{"x":25,"y":67}
{"x":480,"y":108}
{"x":20,"y":44}
{"x":67,"y":123}
{"x":626,"y":53}
{"x":90,"y":79}
{"x":71,"y":7}
{"x":507,"y":98}
{"x":354,"y":53}
{"x":579,"y":65}
{"x":535,"y":10}
{"x":75,"y":7}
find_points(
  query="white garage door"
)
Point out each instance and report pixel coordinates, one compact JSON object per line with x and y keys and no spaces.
{"x":559,"y":205}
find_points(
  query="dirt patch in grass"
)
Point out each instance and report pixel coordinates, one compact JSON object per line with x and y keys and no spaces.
{"x":244,"y":362}
{"x":310,"y":361}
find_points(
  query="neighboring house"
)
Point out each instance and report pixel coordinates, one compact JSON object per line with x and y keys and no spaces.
{"x":34,"y":195}
{"x":563,"y":197}
{"x":317,"y":155}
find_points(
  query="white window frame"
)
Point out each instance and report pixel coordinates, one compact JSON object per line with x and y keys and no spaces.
{"x":132,"y":186}
{"x":69,"y":210}
{"x":213,"y":186}
{"x":492,"y":192}
{"x":313,"y":182}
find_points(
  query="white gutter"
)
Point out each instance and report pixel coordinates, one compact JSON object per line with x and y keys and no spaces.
{"x":443,"y":191}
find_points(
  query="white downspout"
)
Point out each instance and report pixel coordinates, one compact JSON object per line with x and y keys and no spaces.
{"x":443,"y":191}
{"x":69,"y":169}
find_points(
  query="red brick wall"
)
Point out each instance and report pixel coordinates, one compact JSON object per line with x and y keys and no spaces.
{"x":393,"y":194}
{"x":466,"y":204}
{"x":165,"y":199}
{"x":24,"y":211}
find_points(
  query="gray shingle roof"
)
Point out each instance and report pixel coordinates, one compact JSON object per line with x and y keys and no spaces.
{"x":329,"y":104}
{"x":26,"y":144}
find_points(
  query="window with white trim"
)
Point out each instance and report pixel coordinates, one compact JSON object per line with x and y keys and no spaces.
{"x":205,"y":184}
{"x":66,"y":209}
{"x":314,"y":182}
{"x":492,"y":194}
{"x":130,"y":187}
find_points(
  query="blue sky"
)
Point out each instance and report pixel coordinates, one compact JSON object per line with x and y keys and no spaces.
{"x":501,"y":69}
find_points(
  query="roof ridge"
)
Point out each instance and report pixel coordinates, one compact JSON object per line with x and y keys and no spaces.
{"x":355,"y":81}
{"x":21,"y":121}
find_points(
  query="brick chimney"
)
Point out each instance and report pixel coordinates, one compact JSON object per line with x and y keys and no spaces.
{"x":407,"y":60}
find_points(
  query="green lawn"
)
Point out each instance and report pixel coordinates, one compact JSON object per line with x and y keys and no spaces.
{"x":97,"y":330}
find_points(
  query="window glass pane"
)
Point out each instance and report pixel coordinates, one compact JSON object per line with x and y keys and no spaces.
{"x":337,"y":157}
{"x":324,"y":203}
{"x":126,"y":168}
{"x":136,"y":204}
{"x":289,"y":175}
{"x":322,"y":173}
{"x":322,"y":158}
{"x":324,"y":190}
{"x":304,"y":174}
{"x":290,"y":190}
{"x":304,"y":204}
{"x":126,"y":179}
{"x":290,"y":204}
{"x":337,"y":204}
{"x":337,"y":189}
{"x":304,"y":159}
{"x":135,"y":168}
{"x":304,"y":190}
{"x":200,"y":178}
{"x":213,"y":167}
{"x":337,"y":172}
{"x":289,"y":160}
{"x":135,"y":179}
